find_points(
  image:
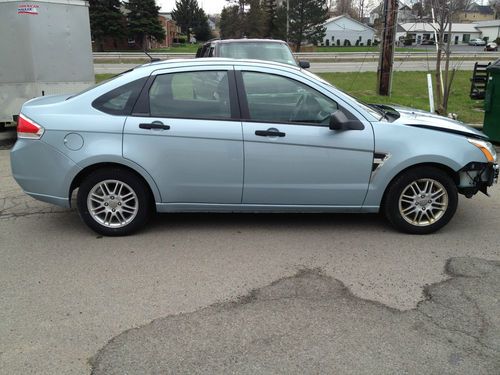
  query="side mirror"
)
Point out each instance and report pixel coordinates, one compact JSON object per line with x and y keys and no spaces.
{"x":304,"y":64}
{"x":339,"y":121}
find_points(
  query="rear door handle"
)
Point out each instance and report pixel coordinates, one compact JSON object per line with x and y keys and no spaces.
{"x":272,"y":132}
{"x":154,"y":125}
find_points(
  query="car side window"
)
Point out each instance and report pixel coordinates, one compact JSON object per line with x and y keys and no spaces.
{"x":191,"y":95}
{"x":120,"y":100}
{"x":273,"y":98}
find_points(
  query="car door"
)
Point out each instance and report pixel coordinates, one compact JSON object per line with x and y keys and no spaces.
{"x":185,"y":131}
{"x":291,"y":155}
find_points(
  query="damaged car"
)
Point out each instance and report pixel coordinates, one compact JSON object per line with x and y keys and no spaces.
{"x":223,"y":135}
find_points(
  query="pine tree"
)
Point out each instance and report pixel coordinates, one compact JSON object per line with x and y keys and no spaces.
{"x":279,"y":26}
{"x":255,"y":20}
{"x":306,"y":21}
{"x":184,"y":14}
{"x":270,"y":9}
{"x":191,"y":19}
{"x":143,"y":23}
{"x":201,"y":28}
{"x":230,"y":25}
{"x":106,"y":21}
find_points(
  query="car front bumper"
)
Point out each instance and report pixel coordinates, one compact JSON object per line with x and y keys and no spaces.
{"x":475,"y":177}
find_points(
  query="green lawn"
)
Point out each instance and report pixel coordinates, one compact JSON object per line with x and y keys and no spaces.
{"x":409,"y":89}
{"x":185,"y":48}
{"x":361,"y":49}
{"x":102,"y":77}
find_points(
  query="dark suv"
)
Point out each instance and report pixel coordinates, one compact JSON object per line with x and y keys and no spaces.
{"x":256,"y":49}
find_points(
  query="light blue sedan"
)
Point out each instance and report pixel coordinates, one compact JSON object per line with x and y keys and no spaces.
{"x":226,"y":135}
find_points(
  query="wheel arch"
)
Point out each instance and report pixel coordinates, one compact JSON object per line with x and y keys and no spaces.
{"x":144,"y":177}
{"x":446,"y":169}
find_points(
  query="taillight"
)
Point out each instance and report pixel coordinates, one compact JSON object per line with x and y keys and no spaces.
{"x":27,"y":128}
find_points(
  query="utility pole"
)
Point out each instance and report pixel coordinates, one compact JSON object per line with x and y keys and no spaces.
{"x":386,"y":60}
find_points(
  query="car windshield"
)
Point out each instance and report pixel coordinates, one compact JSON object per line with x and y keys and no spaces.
{"x":278,"y":52}
{"x":372,"y":110}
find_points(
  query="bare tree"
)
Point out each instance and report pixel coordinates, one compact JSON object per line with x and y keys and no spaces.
{"x":444,"y":12}
{"x":495,"y":4}
{"x":362,"y":7}
{"x":345,"y":7}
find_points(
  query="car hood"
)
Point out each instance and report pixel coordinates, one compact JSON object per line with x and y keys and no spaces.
{"x":427,"y":120}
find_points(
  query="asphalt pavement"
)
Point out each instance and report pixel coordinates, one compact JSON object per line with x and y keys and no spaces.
{"x":311,"y":324}
{"x":69,"y":298}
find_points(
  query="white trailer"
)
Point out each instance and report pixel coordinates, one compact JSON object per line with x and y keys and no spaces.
{"x":45,"y":49}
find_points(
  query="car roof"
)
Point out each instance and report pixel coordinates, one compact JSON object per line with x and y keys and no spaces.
{"x":244,"y":40}
{"x":211,"y":61}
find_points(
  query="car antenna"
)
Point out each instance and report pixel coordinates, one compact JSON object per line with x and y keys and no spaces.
{"x":153,"y":59}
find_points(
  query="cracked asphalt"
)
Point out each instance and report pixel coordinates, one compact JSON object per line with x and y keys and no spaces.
{"x":66,"y":292}
{"x":310,"y":324}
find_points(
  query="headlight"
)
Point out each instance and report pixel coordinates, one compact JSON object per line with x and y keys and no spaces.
{"x":487,"y":149}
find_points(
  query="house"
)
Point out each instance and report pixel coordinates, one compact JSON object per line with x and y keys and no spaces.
{"x":419,"y":31}
{"x":405,"y":14}
{"x":341,"y":28}
{"x":172,"y":31}
{"x":212,"y":24}
{"x":475,"y":13}
{"x":489,"y":29}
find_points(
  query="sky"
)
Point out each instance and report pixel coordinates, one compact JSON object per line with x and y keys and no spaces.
{"x":209,"y":6}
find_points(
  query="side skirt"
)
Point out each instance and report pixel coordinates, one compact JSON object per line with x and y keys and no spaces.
{"x":210,"y":207}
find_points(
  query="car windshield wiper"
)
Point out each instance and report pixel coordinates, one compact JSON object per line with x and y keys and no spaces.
{"x":387,"y":112}
{"x":380,"y":110}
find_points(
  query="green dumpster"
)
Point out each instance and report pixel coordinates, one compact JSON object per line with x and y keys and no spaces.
{"x":491,"y":126}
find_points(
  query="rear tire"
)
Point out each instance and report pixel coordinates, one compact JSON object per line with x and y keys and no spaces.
{"x":114,"y":202}
{"x":421,"y":200}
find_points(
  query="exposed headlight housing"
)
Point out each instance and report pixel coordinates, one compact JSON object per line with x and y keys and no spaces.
{"x":486,"y":147}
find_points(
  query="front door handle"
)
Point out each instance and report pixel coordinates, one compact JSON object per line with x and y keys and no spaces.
{"x":154,"y":125}
{"x":272,"y":132}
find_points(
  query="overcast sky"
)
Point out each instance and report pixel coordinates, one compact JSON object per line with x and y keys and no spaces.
{"x":209,"y":6}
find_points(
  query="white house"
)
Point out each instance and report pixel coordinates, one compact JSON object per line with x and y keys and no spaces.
{"x":460,"y":32}
{"x":489,"y":29}
{"x":345,"y":28}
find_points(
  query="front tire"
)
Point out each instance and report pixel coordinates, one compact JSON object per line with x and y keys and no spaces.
{"x":114,"y":202}
{"x":421,"y":200}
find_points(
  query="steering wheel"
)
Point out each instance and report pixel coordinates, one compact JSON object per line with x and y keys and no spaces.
{"x":323,"y":116}
{"x":298,"y":107}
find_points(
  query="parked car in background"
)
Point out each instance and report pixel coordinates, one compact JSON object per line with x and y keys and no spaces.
{"x":428,"y":42}
{"x":258,"y":49}
{"x":230,"y":135}
{"x":492,"y":46}
{"x":477,"y":42}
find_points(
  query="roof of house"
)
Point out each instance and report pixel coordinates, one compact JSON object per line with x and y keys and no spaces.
{"x":476,"y":8}
{"x":491,"y":23}
{"x":333,"y":19}
{"x":430,"y":27}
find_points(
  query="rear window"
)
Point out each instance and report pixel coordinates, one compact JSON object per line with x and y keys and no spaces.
{"x":120,"y":101}
{"x":278,"y":52}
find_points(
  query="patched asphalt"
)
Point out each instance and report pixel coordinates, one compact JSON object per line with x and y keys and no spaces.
{"x":311,"y":323}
